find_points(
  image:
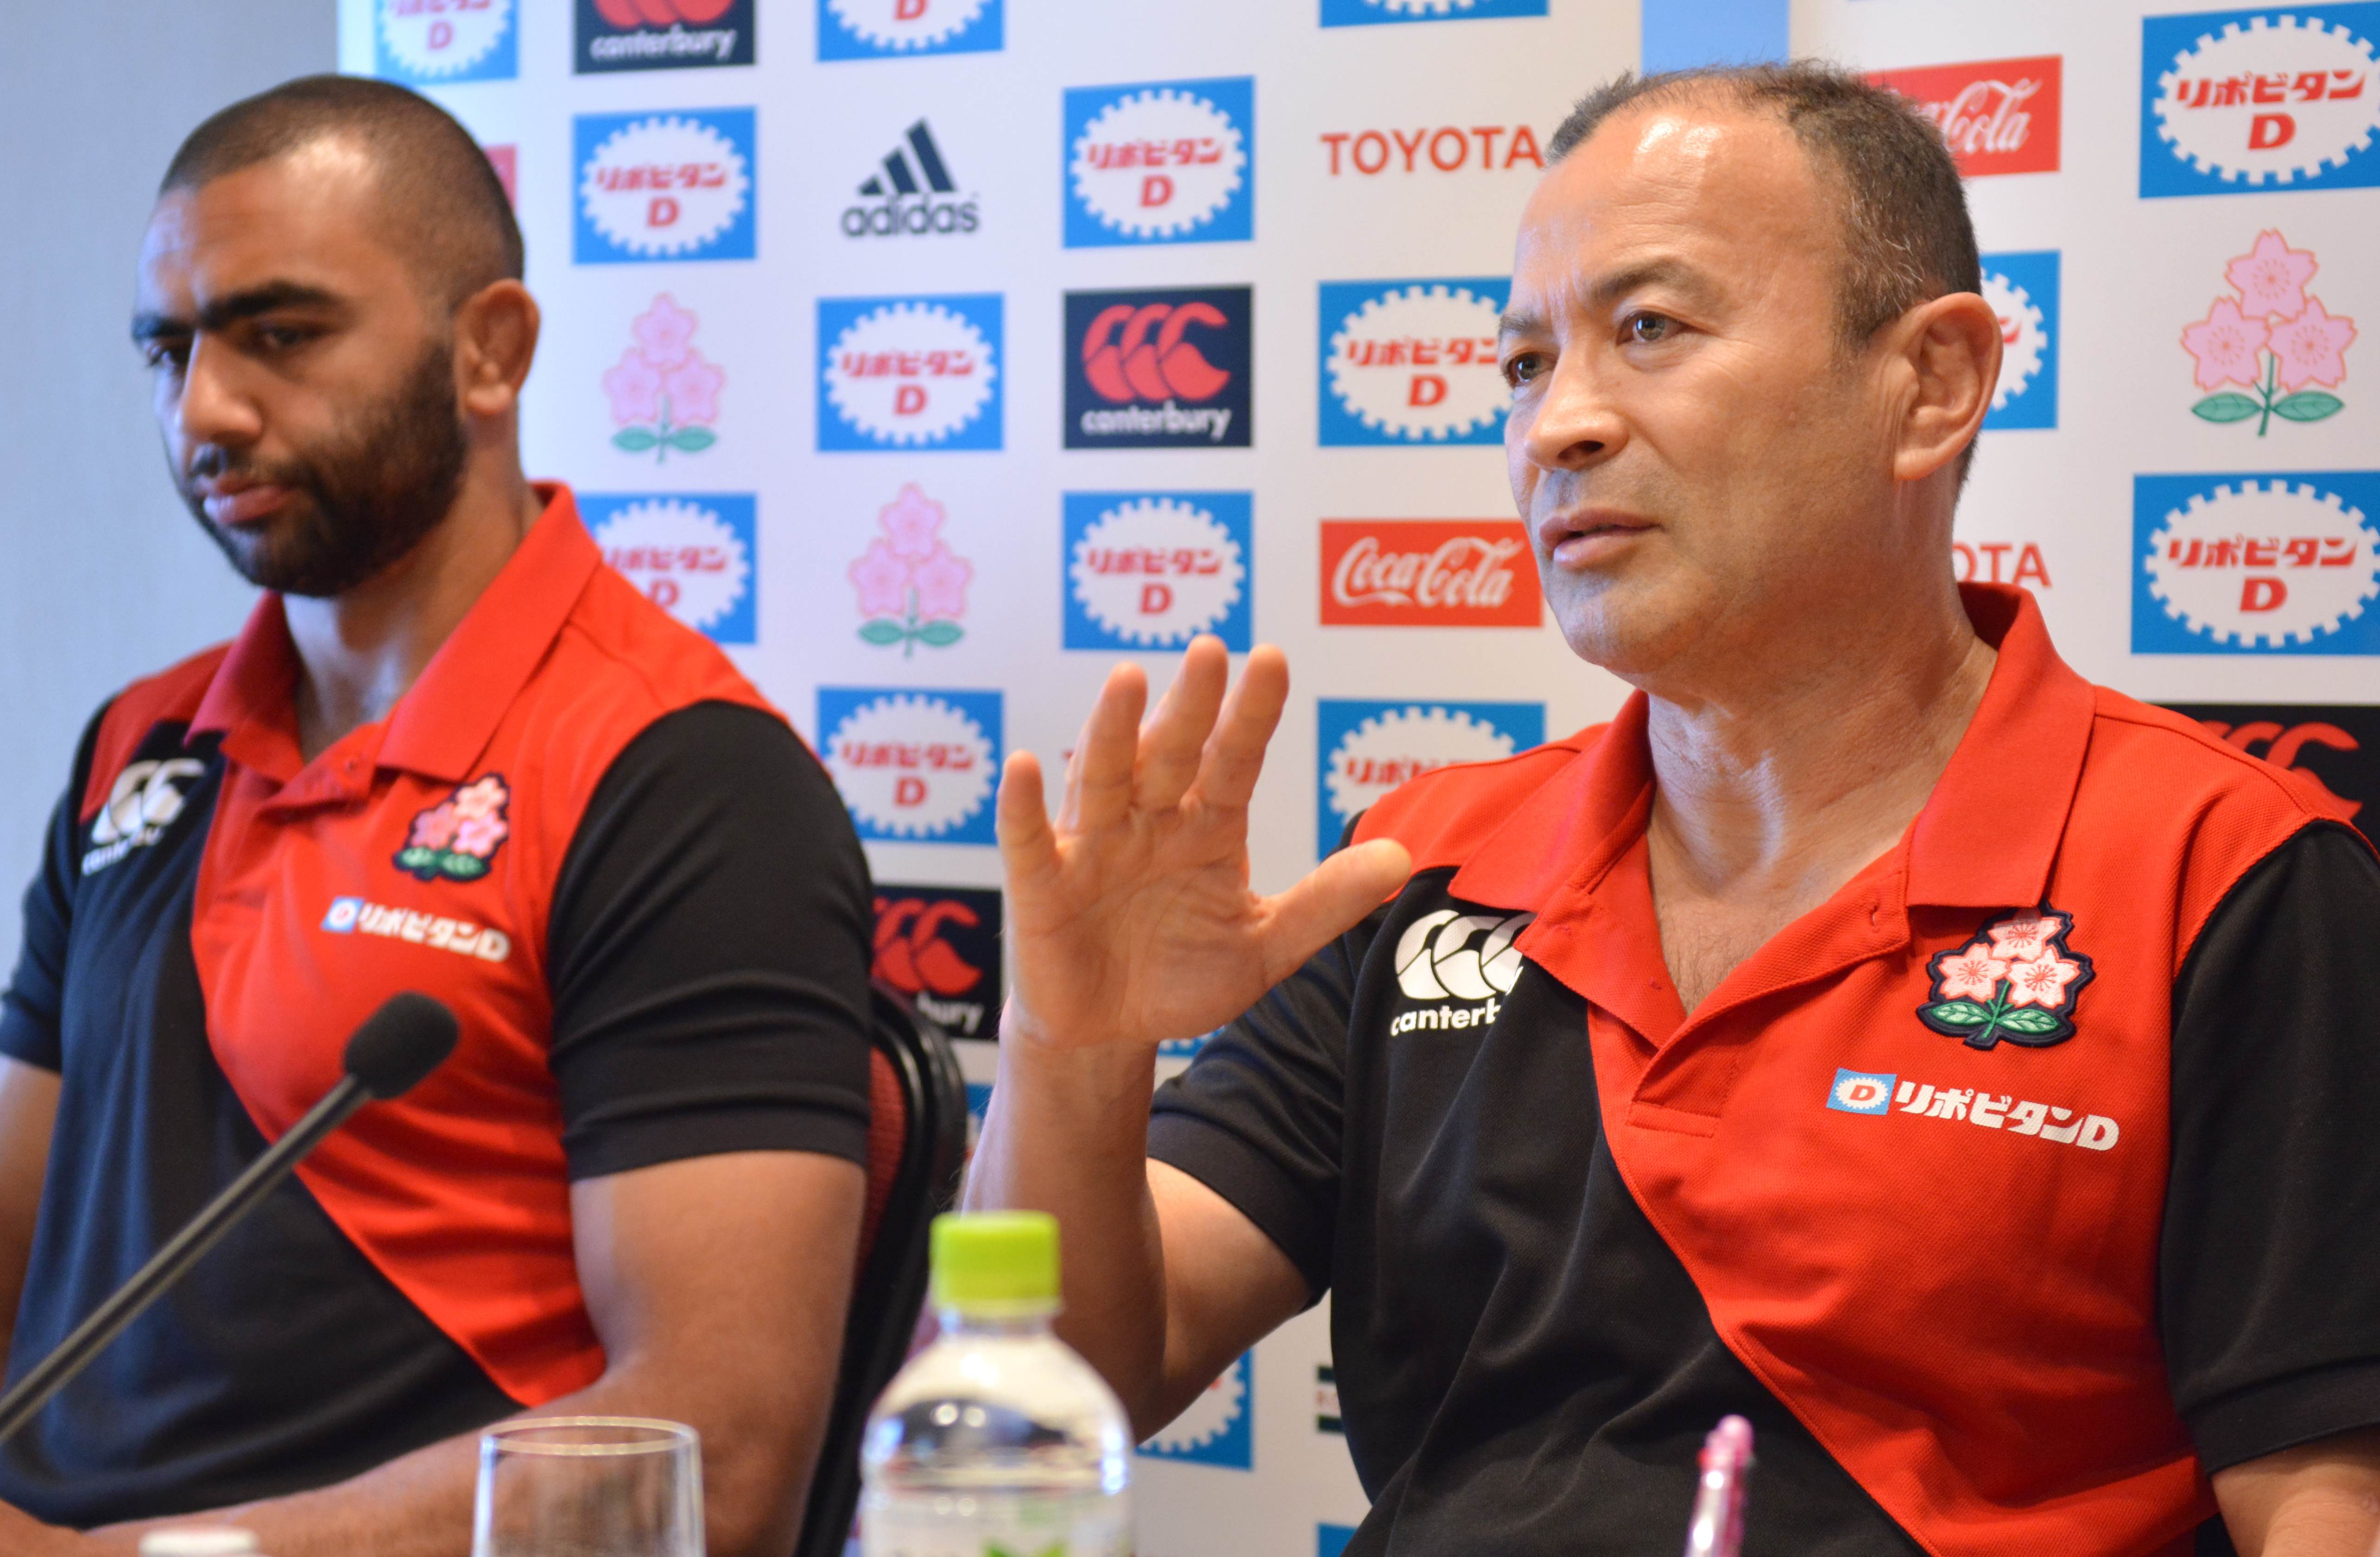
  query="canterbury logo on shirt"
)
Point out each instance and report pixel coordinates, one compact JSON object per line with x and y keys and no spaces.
{"x":1448,"y":955}
{"x":353,"y":916}
{"x":146,"y":799}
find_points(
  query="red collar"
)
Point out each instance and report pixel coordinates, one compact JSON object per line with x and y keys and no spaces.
{"x":445,"y":719}
{"x":1986,"y":838}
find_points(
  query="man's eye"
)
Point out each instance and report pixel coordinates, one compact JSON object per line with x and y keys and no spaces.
{"x":166,"y":356}
{"x":1645,"y":329}
{"x":278,"y":337}
{"x":1520,"y":368}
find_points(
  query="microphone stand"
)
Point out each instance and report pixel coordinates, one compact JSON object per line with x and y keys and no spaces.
{"x":167,"y":1266}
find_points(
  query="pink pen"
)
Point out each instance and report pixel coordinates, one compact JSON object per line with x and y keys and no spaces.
{"x":1717,"y":1530}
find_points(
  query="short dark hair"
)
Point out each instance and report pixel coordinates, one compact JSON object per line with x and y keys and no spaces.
{"x":445,"y":203}
{"x":1907,"y":234}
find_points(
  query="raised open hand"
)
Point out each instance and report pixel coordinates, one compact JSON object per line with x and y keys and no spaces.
{"x":1130,"y":915}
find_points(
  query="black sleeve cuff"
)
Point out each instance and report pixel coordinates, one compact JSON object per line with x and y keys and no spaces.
{"x":26,"y":1038}
{"x":646,"y":1142}
{"x":1232,"y":1168}
{"x":2302,"y":1408}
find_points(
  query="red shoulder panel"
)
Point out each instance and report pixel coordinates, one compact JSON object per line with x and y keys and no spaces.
{"x":169,"y":694}
{"x":1443,"y":817}
{"x":2150,"y":764}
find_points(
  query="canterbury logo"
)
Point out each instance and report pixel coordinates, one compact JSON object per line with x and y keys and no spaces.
{"x":1444,"y":954}
{"x":145,"y":800}
{"x":1132,"y":367}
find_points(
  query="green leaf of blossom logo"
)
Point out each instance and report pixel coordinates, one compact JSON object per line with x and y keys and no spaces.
{"x":2016,"y":979}
{"x":2273,"y":337}
{"x":458,"y":838}
{"x":663,"y":395}
{"x":912,"y":586}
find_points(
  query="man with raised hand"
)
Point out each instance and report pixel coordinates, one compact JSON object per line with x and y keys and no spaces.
{"x":451,"y":752}
{"x":1874,"y":1029}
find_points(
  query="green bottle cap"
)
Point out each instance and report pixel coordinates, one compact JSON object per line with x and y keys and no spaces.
{"x":996,"y":1261}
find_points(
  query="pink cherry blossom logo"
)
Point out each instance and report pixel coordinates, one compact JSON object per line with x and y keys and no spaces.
{"x":912,"y":586}
{"x":2274,"y":336}
{"x":458,"y":838}
{"x":2016,"y":979}
{"x":663,"y":395}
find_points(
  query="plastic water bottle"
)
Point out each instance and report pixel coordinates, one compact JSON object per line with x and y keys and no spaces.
{"x":997,"y":1441}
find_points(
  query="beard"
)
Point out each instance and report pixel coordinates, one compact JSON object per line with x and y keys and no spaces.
{"x":357,"y":506}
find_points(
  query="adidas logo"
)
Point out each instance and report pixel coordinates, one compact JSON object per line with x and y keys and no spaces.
{"x":911,"y":195}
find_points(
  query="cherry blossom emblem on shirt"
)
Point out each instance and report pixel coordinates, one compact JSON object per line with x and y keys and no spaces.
{"x":458,"y":838}
{"x":2017,"y":979}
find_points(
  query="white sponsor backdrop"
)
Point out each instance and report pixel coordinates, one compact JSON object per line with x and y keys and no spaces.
{"x":812,"y":362}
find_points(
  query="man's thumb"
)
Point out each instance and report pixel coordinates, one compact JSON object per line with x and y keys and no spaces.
{"x":1338,"y":892}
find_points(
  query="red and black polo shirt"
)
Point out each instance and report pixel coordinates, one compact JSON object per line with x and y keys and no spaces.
{"x":583,"y":831}
{"x":2009,"y":1192}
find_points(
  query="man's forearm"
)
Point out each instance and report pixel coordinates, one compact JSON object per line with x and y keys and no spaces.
{"x":420,"y":1506}
{"x":2317,"y":1500}
{"x":1068,"y":1134}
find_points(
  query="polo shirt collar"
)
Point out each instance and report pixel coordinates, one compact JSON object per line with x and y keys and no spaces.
{"x":447,"y":717}
{"x":1986,"y":838}
{"x":445,"y":720}
{"x":1990,"y":830}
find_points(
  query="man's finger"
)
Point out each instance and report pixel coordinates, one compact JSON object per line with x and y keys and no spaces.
{"x":1234,"y":755}
{"x":1099,"y":781}
{"x":1337,"y":894}
{"x":1177,"y":734}
{"x":1028,"y":848}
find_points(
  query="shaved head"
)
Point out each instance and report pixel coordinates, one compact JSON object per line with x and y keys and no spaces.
{"x":442,"y":206}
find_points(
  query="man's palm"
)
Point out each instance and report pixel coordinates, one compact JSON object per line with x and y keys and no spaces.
{"x":1130,"y":915}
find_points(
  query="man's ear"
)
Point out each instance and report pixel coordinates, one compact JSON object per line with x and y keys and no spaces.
{"x":495,"y":340}
{"x":1949,"y":352}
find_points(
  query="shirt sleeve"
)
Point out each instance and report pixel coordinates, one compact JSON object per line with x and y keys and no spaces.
{"x":36,"y":994}
{"x":2269,"y":1277}
{"x":1256,"y":1117}
{"x":708,"y":953}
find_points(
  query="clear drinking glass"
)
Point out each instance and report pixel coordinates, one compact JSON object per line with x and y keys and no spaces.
{"x":589,"y":1487}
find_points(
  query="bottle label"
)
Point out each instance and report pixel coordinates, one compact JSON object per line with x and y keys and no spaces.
{"x":979,"y":1525}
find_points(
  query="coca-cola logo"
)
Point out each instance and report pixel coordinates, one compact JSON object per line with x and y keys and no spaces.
{"x":2000,"y":116}
{"x":1434,"y":573}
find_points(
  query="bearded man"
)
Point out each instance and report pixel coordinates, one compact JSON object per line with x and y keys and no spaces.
{"x":450,"y":751}
{"x":1875,"y":1030}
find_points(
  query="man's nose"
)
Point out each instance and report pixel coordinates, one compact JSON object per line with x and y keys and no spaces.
{"x":213,"y":407}
{"x":1575,"y":424}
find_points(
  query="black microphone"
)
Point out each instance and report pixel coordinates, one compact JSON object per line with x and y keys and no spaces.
{"x":406,"y":1038}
